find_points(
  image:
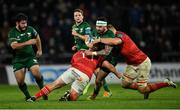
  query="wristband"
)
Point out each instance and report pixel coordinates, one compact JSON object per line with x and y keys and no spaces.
{"x":94,"y":53}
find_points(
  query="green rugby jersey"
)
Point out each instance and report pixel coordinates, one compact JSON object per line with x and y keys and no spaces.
{"x":107,"y":34}
{"x":83,"y":29}
{"x":25,"y":52}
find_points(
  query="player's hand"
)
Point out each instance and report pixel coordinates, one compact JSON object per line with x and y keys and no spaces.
{"x":90,"y":45}
{"x":74,"y":48}
{"x":39,"y":53}
{"x":96,"y":41}
{"x":88,"y":53}
{"x":31,"y":42}
{"x":74,"y":33}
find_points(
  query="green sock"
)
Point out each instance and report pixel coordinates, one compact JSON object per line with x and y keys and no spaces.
{"x":96,"y":90}
{"x":105,"y":86}
{"x":24,"y":89}
{"x":40,"y":82}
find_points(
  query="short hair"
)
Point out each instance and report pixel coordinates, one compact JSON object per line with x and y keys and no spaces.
{"x":79,"y":10}
{"x":21,"y":16}
{"x":101,"y":19}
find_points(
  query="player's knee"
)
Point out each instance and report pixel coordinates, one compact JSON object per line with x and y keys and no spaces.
{"x":126,"y":83}
{"x":20,"y":84}
{"x":143,"y":89}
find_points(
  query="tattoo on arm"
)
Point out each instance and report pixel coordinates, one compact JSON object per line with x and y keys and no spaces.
{"x":105,"y":51}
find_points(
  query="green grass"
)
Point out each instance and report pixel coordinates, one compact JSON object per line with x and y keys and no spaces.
{"x":166,"y":98}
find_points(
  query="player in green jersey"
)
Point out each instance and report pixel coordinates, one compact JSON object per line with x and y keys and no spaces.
{"x":82,"y":36}
{"x":21,"y":38}
{"x":81,"y":31}
{"x":103,"y":32}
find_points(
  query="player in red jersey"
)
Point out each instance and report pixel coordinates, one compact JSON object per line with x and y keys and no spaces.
{"x":79,"y":74}
{"x":136,"y":75}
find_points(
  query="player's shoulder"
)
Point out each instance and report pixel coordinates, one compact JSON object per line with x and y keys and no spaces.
{"x":110,"y":32}
{"x":86,"y":24}
{"x":30,"y":28}
{"x":74,"y":25}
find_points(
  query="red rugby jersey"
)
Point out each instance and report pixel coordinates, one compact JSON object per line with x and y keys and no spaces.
{"x":128,"y":49}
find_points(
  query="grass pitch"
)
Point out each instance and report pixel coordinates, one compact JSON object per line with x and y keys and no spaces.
{"x":166,"y":98}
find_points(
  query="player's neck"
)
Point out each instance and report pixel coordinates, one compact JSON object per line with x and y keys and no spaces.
{"x":18,"y":29}
{"x":78,"y":23}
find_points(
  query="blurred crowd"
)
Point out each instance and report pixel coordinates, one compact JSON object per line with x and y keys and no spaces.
{"x":154,"y":25}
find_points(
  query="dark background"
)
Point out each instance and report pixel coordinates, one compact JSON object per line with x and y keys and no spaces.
{"x":154,"y":25}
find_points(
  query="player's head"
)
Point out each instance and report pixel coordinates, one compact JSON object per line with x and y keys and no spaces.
{"x":112,"y":28}
{"x":78,"y":16}
{"x":21,"y":21}
{"x":101,"y":25}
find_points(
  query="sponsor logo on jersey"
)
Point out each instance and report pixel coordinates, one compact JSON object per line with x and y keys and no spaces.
{"x":29,"y":34}
{"x":35,"y":61}
{"x":81,"y":30}
{"x":76,"y":29}
{"x":22,"y":34}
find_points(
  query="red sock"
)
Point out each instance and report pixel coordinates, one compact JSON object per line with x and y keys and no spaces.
{"x":133,"y":86}
{"x":157,"y":86}
{"x":44,"y":91}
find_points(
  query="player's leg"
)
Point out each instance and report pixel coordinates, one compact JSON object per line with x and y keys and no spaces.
{"x":20,"y":76}
{"x":33,"y":66}
{"x":77,"y":87}
{"x":139,"y":72}
{"x":88,"y":85}
{"x":58,"y":83}
{"x":128,"y":77}
{"x":98,"y":83}
{"x":147,"y":88}
{"x":110,"y":68}
{"x":61,"y":81}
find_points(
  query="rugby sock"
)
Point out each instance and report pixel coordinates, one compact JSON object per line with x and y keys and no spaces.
{"x":40,"y":82}
{"x":105,"y":86}
{"x":44,"y":91}
{"x":96,"y":90}
{"x":156,"y":86}
{"x":24,"y":89}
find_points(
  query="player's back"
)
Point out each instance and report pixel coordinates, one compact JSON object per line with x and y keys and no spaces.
{"x":85,"y":64}
{"x":129,"y":50}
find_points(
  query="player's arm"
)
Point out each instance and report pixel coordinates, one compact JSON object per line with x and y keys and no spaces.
{"x":108,"y":41}
{"x":39,"y":46}
{"x":87,"y":33}
{"x":103,"y":52}
{"x":83,"y":37}
{"x":16,"y":45}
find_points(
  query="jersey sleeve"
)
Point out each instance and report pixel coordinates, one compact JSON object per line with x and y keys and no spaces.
{"x":11,"y":38}
{"x":34,"y":32}
{"x":111,"y":34}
